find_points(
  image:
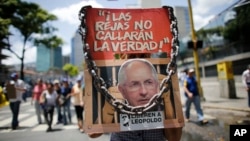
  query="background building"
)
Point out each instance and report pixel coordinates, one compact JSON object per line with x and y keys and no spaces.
{"x":76,"y":56}
{"x":48,"y":58}
{"x":183,"y":20}
{"x":150,"y":3}
{"x":66,"y":59}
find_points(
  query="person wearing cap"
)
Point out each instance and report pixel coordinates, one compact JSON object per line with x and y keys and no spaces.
{"x":246,"y":82}
{"x":192,"y":96}
{"x":66,"y":90}
{"x":17,"y":88}
{"x":77,"y":94}
{"x":37,"y":91}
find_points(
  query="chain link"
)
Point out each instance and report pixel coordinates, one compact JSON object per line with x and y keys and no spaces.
{"x":100,"y":84}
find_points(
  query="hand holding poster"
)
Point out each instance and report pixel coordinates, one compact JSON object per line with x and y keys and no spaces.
{"x":127,"y":53}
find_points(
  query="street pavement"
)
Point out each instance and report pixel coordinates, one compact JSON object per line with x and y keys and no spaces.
{"x":211,"y":91}
{"x":30,"y":129}
{"x":219,"y":111}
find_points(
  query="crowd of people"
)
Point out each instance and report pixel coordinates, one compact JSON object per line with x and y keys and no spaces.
{"x":48,"y":96}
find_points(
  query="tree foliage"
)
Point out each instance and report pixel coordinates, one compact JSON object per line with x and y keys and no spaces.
{"x":238,"y":29}
{"x":203,"y":33}
{"x":33,"y":23}
{"x":71,"y":70}
{"x":7,"y":9}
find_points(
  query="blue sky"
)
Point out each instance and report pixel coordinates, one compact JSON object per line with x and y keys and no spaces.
{"x":67,"y":11}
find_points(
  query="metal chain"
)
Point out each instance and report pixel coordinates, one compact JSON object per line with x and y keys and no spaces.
{"x":100,"y":84}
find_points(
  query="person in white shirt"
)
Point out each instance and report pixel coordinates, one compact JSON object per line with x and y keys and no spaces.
{"x":15,"y":89}
{"x":48,"y":100}
{"x":246,"y":82}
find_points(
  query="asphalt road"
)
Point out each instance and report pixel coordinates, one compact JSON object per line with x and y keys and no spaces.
{"x":30,"y":130}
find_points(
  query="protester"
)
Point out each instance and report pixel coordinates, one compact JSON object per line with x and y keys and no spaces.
{"x":192,"y":96}
{"x":37,"y":91}
{"x":15,"y":88}
{"x":66,"y":90}
{"x":77,"y":98}
{"x":48,"y":101}
{"x":246,"y":82}
{"x":57,"y":87}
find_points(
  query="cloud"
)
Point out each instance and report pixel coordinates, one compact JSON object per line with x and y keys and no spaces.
{"x":70,"y":14}
{"x":201,"y":21}
{"x":66,"y":50}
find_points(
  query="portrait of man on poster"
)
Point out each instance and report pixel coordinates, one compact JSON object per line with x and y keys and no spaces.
{"x":137,"y":81}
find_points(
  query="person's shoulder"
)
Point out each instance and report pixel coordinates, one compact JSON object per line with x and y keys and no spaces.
{"x":20,"y":81}
{"x":186,"y":78}
{"x":75,"y":85}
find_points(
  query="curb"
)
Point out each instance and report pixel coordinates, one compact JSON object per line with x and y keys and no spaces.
{"x":227,"y":108}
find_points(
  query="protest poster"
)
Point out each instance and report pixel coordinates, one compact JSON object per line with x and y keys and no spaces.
{"x":127,"y":53}
{"x":11,"y":90}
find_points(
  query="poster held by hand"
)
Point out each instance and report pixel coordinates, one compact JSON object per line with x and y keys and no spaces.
{"x":130,"y":69}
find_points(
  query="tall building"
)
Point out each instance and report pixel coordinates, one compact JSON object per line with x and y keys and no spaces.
{"x":150,"y":3}
{"x":76,"y":56}
{"x":182,"y":16}
{"x":66,"y":59}
{"x":48,"y":58}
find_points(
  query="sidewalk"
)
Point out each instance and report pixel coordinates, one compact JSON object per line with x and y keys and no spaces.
{"x":211,"y":93}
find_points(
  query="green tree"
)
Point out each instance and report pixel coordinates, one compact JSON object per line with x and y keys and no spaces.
{"x":34,"y":25}
{"x":7,"y":9}
{"x":71,"y":70}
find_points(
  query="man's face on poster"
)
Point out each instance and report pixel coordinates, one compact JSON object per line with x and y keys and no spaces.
{"x":139,"y":83}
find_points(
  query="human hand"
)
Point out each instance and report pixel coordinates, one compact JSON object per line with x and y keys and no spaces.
{"x":82,"y":103}
{"x":190,"y":95}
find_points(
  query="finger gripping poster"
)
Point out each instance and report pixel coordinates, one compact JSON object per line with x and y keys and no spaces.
{"x":126,"y":54}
